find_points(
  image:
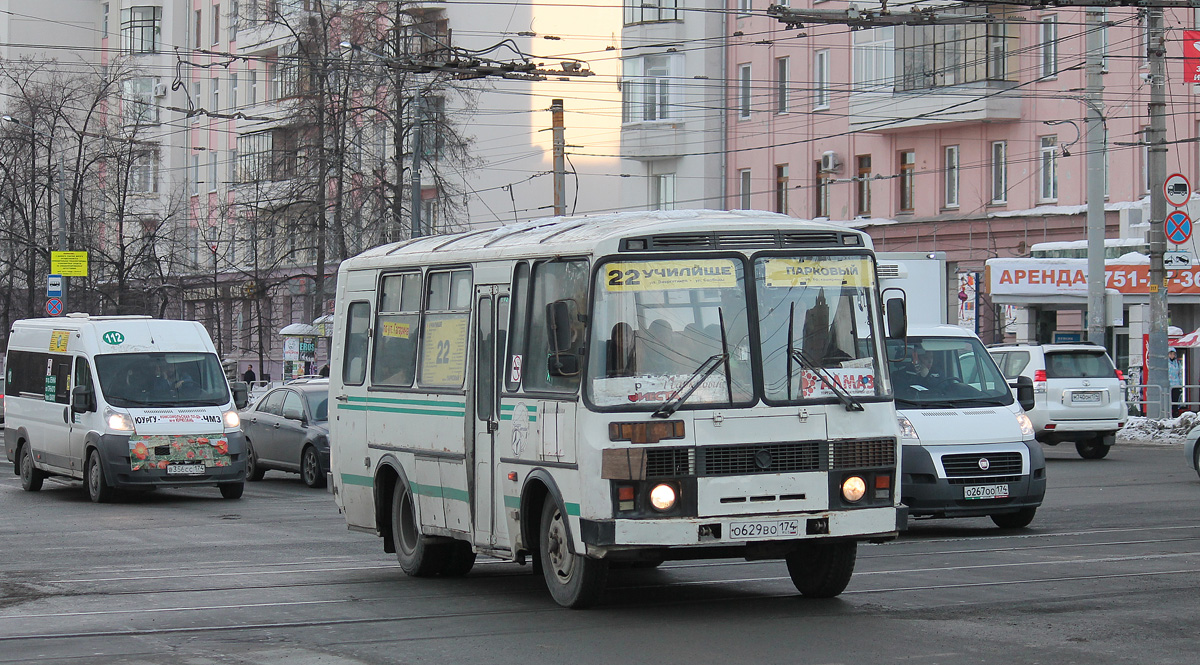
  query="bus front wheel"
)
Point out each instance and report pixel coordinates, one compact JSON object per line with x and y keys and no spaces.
{"x":417,"y":556}
{"x":574,"y":580}
{"x":31,"y":476}
{"x":822,"y":570}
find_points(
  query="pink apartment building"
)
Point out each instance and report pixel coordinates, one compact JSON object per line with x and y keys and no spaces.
{"x":959,"y":138}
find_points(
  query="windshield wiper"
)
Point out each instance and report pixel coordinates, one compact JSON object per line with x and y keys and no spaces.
{"x":704,"y":371}
{"x":847,"y":400}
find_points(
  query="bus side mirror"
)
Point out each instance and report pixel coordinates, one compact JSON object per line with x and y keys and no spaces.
{"x":82,"y":399}
{"x":897,"y":319}
{"x":1025,"y":392}
{"x":562,"y":361}
{"x":241,"y":394}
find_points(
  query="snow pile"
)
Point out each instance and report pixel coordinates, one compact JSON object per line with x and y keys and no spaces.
{"x":1171,"y":430}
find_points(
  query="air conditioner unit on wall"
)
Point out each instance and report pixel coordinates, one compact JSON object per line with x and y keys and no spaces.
{"x":160,"y":89}
{"x":830,"y":162}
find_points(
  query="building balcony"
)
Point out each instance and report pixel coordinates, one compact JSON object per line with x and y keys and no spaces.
{"x":655,"y":139}
{"x":983,"y":101}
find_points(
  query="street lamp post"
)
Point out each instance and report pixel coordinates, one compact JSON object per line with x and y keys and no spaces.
{"x":62,"y":203}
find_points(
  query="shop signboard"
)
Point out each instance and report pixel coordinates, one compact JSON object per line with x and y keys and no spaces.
{"x":1047,"y":277}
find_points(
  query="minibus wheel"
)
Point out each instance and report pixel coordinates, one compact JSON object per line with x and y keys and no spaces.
{"x":232,"y":490}
{"x":31,"y":476}
{"x":1017,"y":520}
{"x":98,"y":489}
{"x":822,"y":570}
{"x":417,"y":556}
{"x":574,"y":580}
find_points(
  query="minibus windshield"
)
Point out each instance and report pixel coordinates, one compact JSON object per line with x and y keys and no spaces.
{"x":162,"y":379}
{"x":945,"y":372}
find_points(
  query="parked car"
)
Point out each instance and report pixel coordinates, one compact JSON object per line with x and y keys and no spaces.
{"x":1192,"y":449}
{"x":1079,"y":395}
{"x":287,"y":429}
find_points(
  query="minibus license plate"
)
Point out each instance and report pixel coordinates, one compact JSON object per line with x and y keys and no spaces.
{"x":1089,"y":397}
{"x":756,"y":530}
{"x":185,"y":469}
{"x":985,"y":492}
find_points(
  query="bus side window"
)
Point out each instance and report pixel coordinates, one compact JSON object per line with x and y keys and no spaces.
{"x":553,"y":281}
{"x":519,"y":325}
{"x":394,"y":362}
{"x":354,"y":364}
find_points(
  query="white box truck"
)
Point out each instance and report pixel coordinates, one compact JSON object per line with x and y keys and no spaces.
{"x":968,"y":449}
{"x":120,"y":402}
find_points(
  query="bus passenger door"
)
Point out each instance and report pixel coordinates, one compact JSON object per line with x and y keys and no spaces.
{"x":491,"y":333}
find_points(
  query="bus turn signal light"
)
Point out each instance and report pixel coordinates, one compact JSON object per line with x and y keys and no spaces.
{"x":646,"y":432}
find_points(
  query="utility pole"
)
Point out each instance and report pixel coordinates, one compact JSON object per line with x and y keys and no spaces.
{"x":560,"y":154}
{"x":418,"y":143}
{"x":1156,"y":363}
{"x":1096,"y":150}
{"x":62,"y":223}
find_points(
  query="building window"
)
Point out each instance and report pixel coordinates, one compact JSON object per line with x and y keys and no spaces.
{"x":744,"y":91}
{"x":874,"y":59}
{"x":1049,"y":164}
{"x":194,"y":167}
{"x":215,"y":94}
{"x":1048,"y":48}
{"x":662,"y":191}
{"x":233,"y":19}
{"x":782,"y":74}
{"x":253,"y":87}
{"x":138,"y":97}
{"x":744,"y":189}
{"x":104,"y":20}
{"x":781,"y":188}
{"x":232,"y":166}
{"x":647,"y":92}
{"x":647,"y":11}
{"x":950,"y":171}
{"x":821,"y":80}
{"x":216,"y":24}
{"x":143,"y":173}
{"x":212,"y":170}
{"x":999,"y":172}
{"x":745,"y":7}
{"x":932,"y":56}
{"x":199,"y":28}
{"x":908,"y":164}
{"x":140,"y":29}
{"x":233,"y":91}
{"x":821,"y":192}
{"x":862,"y":186}
{"x":269,"y":155}
{"x":195,"y":100}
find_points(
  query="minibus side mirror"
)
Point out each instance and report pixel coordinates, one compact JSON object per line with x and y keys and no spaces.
{"x":82,"y":399}
{"x":241,"y":394}
{"x":897,"y":319}
{"x":1025,"y":392}
{"x":562,"y":361}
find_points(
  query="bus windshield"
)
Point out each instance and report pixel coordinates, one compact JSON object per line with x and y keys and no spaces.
{"x":945,"y":372}
{"x":162,"y":379}
{"x":657,"y":322}
{"x":815,"y":321}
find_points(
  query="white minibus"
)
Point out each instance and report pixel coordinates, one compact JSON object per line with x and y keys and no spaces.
{"x":617,"y":390}
{"x":120,"y":402}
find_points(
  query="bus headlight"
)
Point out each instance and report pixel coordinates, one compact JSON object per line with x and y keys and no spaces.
{"x":854,"y":489}
{"x":117,"y":421}
{"x":231,"y":419}
{"x":907,"y":430}
{"x":1026,"y":424}
{"x":662,"y":497}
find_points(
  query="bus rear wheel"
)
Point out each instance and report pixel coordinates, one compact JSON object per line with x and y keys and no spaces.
{"x":822,"y":570}
{"x":31,"y":476}
{"x":574,"y":580}
{"x":417,"y":556}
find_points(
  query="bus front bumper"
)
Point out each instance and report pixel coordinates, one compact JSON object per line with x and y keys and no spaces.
{"x":601,"y":536}
{"x":115,"y":459}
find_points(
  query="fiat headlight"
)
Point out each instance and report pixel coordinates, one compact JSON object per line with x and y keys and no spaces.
{"x":907,"y":430}
{"x":117,"y":421}
{"x":1026,"y":425}
{"x":231,"y":420}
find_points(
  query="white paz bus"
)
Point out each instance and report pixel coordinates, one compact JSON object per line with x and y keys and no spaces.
{"x":622,"y":389}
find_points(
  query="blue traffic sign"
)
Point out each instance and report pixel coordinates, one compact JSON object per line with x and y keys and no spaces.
{"x":1178,"y":227}
{"x":54,"y":286}
{"x":54,"y":306}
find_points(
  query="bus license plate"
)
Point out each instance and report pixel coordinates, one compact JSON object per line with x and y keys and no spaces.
{"x":185,"y":470}
{"x":985,"y":492}
{"x":759,"y":530}
{"x":1089,"y":397}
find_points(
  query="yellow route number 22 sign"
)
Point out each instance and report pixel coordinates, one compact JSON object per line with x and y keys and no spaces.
{"x":69,"y":264}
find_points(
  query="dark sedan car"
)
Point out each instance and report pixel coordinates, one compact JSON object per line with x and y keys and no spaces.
{"x":288,"y":430}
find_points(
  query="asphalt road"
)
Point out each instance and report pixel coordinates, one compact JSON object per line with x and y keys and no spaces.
{"x":1107,"y":573}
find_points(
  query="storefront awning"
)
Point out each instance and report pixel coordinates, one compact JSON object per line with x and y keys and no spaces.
{"x":1188,"y":341}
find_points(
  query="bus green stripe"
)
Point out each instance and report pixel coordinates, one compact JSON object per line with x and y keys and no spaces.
{"x":412,"y":402}
{"x":351,"y":479}
{"x":416,"y":412}
{"x":437,"y":491}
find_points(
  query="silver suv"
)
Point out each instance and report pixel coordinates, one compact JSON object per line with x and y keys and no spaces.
{"x":1078,"y":395}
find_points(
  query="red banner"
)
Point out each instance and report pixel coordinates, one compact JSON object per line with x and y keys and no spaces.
{"x":1191,"y":56}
